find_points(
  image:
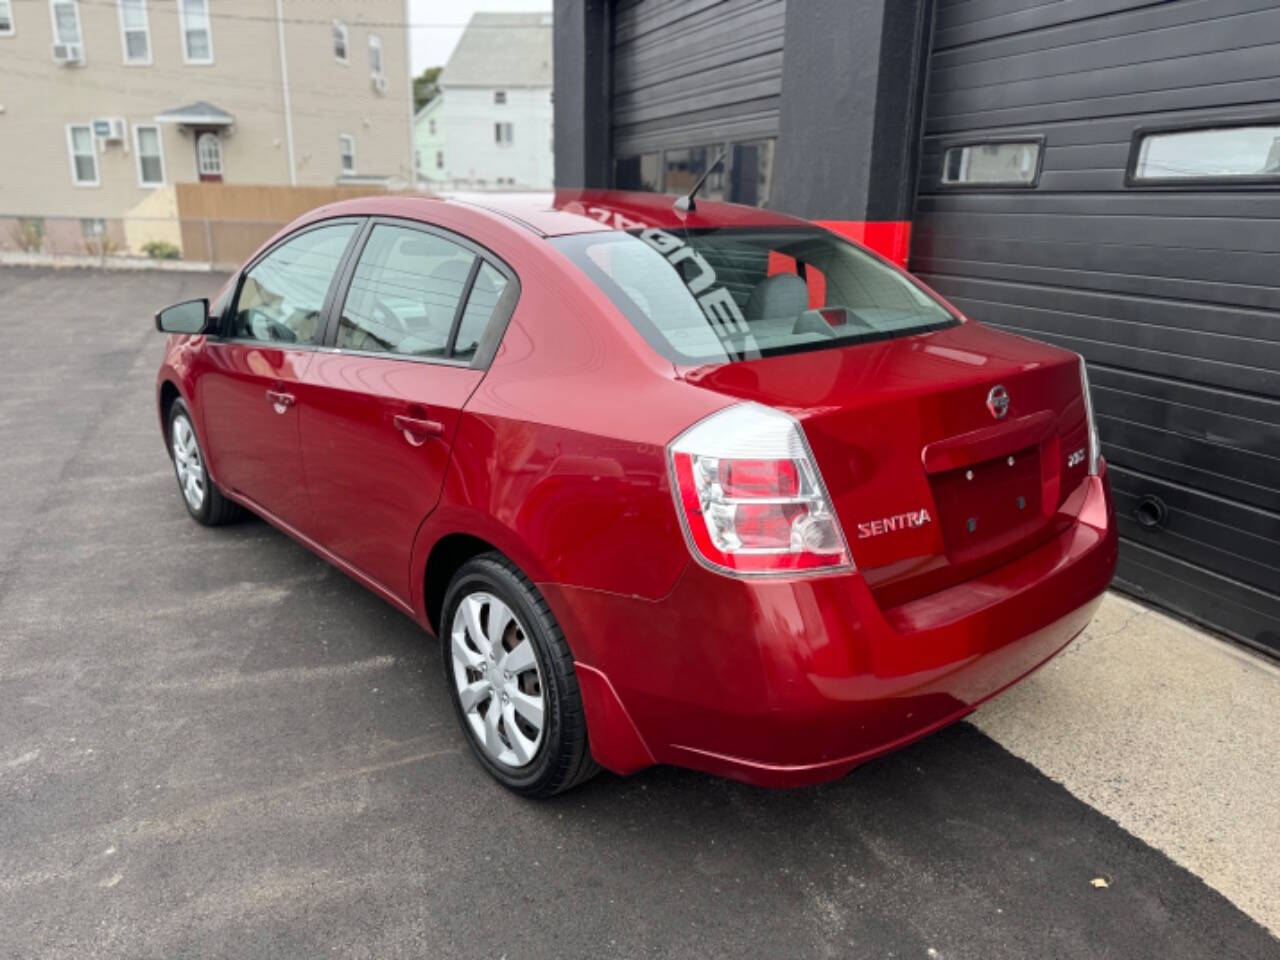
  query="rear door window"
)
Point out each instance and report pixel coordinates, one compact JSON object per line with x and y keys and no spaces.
{"x":404,"y":294}
{"x":716,"y":295}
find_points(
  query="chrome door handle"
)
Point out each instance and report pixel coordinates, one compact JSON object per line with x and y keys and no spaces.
{"x":416,"y":431}
{"x":280,"y":401}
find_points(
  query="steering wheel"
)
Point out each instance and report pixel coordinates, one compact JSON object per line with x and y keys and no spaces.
{"x":389,"y":317}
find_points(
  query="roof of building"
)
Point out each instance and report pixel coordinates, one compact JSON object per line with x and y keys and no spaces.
{"x":502,"y":50}
{"x":201,"y":112}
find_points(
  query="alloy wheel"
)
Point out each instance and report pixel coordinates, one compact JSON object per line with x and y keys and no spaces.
{"x":498,"y":680}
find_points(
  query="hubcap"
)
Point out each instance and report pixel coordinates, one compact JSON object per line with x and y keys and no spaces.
{"x":498,"y":681}
{"x":188,"y":463}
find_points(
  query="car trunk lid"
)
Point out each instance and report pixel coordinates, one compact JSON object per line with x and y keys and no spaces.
{"x":945,"y":454}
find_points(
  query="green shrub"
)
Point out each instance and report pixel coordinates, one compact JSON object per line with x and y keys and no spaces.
{"x":161,"y":250}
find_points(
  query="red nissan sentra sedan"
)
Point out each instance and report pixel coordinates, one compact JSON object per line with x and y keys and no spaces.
{"x":710,"y":487}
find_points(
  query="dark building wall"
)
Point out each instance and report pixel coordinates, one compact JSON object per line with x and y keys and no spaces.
{"x":1171,"y":292}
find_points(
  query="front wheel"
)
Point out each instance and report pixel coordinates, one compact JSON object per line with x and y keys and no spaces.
{"x":512,"y":680}
{"x":203,"y":500}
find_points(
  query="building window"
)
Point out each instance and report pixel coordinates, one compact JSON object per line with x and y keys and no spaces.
{"x":439,"y":159}
{"x":643,"y":172}
{"x":1010,"y":163}
{"x":499,"y":96}
{"x":751,"y":172}
{"x":66,"y":21}
{"x":92,"y":228}
{"x":347,"y":149}
{"x":209,"y":156}
{"x":135,"y":32}
{"x":146,"y":140}
{"x":502,"y":134}
{"x":375,"y":54}
{"x":6,"y":18}
{"x":340,"y":38}
{"x":1220,"y":154}
{"x":683,"y":168}
{"x":197,"y":33}
{"x":431,"y":126}
{"x":83,"y":149}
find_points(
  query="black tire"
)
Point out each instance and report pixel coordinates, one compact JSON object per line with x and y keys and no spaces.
{"x":214,"y":509}
{"x":563,"y":759}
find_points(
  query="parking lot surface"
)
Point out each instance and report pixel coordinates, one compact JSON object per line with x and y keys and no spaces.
{"x":214,"y":744}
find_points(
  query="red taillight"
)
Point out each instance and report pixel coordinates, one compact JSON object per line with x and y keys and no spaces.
{"x":751,"y":498}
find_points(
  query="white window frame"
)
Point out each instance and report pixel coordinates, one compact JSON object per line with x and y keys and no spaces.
{"x":222,"y":164}
{"x":343,"y":140}
{"x":375,"y":43}
{"x":13,"y":27}
{"x":71,"y":156}
{"x":182,"y":32}
{"x":145,"y":28}
{"x":439,"y":159}
{"x":340,"y":28}
{"x":504,"y":127}
{"x":53,"y":19}
{"x":137,"y":151}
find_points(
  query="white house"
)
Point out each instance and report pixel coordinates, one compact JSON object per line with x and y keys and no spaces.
{"x":492,"y":125}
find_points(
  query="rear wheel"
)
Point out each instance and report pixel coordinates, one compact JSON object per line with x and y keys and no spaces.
{"x":203,"y":500}
{"x":512,"y":681}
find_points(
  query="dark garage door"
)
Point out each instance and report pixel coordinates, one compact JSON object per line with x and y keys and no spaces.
{"x":689,"y":78}
{"x":1137,"y":222}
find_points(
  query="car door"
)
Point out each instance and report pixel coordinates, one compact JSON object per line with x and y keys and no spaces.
{"x":406,"y":349}
{"x":249,"y":387}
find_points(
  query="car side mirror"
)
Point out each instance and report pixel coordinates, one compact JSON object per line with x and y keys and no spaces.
{"x":190,"y":316}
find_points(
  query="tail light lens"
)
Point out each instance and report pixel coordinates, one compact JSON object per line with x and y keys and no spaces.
{"x":750,"y":497}
{"x":1095,"y":443}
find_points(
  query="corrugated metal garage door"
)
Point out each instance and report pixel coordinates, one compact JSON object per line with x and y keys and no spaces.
{"x":1171,"y":291}
{"x":693,"y":72}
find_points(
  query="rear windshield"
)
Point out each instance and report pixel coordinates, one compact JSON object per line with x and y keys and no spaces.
{"x":710,"y":296}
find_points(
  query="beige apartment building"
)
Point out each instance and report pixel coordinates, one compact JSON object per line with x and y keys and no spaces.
{"x":105,"y":105}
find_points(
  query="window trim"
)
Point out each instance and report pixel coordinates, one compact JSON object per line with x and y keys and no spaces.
{"x":342,"y":169}
{"x":375,"y":43}
{"x":53,"y":19}
{"x":1133,"y":181}
{"x":182,"y":34}
{"x":219,"y":333}
{"x":494,"y":332}
{"x":503,"y":95}
{"x":71,"y":156}
{"x":510,"y":130}
{"x":137,"y":152}
{"x":13,"y":23}
{"x":145,"y":28}
{"x":948,"y":145}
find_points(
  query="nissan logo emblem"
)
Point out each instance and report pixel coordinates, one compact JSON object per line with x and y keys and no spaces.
{"x":998,"y":401}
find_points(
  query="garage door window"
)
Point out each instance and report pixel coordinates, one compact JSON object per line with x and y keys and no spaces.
{"x":1003,"y":164}
{"x":1208,"y":155}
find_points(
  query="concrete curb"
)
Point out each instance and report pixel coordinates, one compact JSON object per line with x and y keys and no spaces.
{"x":22,"y":258}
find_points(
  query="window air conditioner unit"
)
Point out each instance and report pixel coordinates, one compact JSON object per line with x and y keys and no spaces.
{"x":68,"y":53}
{"x":379,"y":82}
{"x":109,"y":129}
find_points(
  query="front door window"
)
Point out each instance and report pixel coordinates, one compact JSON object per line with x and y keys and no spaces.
{"x":209,"y":156}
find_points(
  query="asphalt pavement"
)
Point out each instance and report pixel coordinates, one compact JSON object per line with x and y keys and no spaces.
{"x":212,"y":744}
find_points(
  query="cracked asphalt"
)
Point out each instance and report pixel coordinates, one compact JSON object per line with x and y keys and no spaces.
{"x":214,"y":745}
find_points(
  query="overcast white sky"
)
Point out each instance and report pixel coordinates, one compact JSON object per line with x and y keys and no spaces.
{"x":431,"y":45}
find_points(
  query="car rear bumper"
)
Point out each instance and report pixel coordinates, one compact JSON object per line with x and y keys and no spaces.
{"x":788,"y":682}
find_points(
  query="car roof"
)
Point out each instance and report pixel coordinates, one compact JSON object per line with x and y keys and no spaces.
{"x":566,"y":212}
{"x":586,"y":211}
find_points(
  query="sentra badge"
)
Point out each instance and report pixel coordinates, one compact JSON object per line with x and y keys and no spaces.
{"x":900,"y":521}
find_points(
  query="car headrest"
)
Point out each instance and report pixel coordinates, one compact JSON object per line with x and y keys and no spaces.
{"x":781,"y":296}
